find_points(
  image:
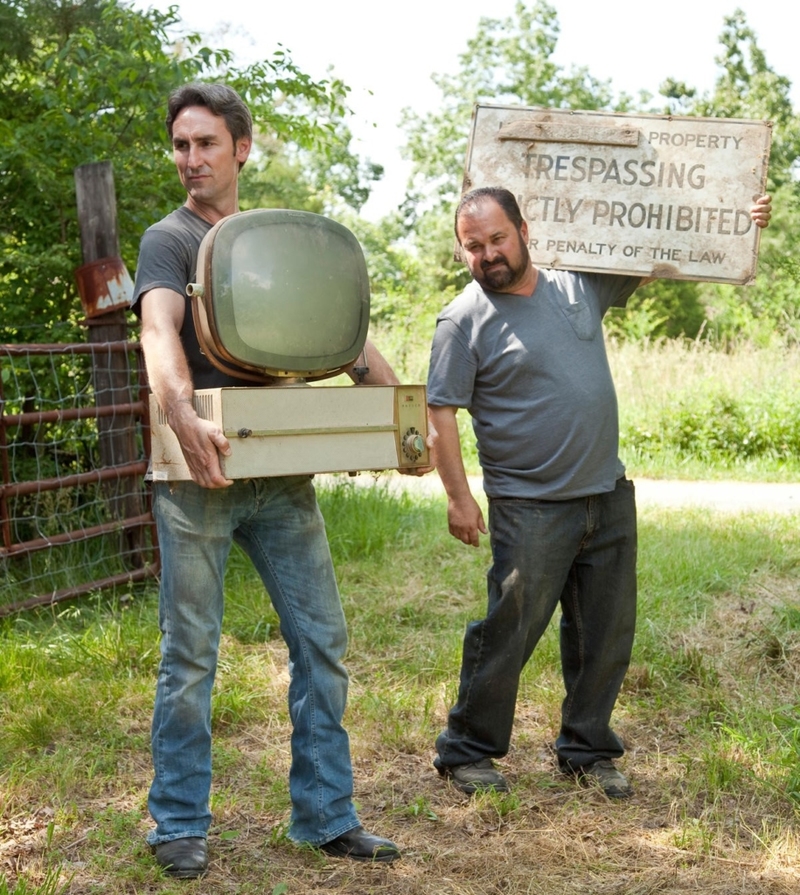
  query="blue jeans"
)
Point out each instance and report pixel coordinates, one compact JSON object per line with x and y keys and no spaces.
{"x":581,"y":553}
{"x":278,"y":524}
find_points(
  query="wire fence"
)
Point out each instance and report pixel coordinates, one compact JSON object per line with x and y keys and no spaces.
{"x":74,"y":510}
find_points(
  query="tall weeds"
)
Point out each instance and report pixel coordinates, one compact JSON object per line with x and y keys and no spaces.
{"x":689,"y":409}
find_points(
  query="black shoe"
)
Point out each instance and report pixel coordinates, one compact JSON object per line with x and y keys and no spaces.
{"x":360,"y":845}
{"x":480,"y":776}
{"x":604,"y":774}
{"x":183,"y":858}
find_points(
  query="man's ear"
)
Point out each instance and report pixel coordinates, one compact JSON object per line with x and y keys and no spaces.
{"x":243,"y":147}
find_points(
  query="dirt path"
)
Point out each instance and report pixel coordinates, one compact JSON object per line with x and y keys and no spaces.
{"x":724,"y":496}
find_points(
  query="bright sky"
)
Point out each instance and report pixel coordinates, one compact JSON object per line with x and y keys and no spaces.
{"x":386,"y":54}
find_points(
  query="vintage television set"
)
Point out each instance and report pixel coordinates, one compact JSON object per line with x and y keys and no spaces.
{"x":281,"y":299}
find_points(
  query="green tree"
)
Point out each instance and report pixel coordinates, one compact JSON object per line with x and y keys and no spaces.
{"x":749,"y":88}
{"x":324,"y":177}
{"x":87,"y":81}
{"x":508,"y":61}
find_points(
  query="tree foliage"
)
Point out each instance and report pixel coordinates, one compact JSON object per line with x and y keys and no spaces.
{"x":748,"y":87}
{"x":87,"y":81}
{"x":509,"y":61}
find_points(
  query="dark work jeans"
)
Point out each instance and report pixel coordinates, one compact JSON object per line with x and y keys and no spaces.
{"x":580,"y":553}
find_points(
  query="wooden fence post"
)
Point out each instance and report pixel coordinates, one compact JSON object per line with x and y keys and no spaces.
{"x":97,"y":217}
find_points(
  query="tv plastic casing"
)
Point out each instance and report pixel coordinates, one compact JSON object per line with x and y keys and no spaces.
{"x":281,"y":298}
{"x":280,"y":293}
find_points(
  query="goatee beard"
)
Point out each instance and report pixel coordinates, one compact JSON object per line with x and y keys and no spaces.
{"x":499,"y":277}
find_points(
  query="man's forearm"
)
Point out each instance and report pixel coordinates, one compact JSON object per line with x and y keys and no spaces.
{"x":464,"y":516}
{"x":201,"y":440}
{"x":449,"y":462}
{"x":167,"y":367}
{"x":167,"y":370}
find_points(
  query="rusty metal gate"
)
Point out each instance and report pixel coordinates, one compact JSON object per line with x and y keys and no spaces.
{"x":74,"y":513}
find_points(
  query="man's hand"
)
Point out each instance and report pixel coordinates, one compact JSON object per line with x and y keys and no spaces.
{"x":201,"y":442}
{"x":162,"y":318}
{"x":761,"y":211}
{"x":415,"y":470}
{"x":465,"y":520}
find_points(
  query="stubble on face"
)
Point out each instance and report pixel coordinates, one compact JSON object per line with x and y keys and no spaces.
{"x":495,"y":250}
{"x":208,"y":161}
{"x":500,"y":274}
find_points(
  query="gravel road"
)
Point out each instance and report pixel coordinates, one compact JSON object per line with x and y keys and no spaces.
{"x":726,"y":497}
{"x":723,"y":496}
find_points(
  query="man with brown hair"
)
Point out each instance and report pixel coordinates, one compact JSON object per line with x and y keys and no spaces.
{"x":276,"y":521}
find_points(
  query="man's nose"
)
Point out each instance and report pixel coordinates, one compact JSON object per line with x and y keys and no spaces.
{"x":193,"y":159}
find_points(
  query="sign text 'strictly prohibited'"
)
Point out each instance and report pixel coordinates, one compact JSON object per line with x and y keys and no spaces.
{"x":640,"y":194}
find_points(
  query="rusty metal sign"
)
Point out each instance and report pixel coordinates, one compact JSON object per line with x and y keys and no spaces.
{"x":647,"y":195}
{"x":104,"y":285}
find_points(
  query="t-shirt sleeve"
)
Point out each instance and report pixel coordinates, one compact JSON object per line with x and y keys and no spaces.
{"x":451,"y":374}
{"x":619,"y":289}
{"x":164,"y":262}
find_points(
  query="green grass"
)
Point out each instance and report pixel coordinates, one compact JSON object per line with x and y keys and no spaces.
{"x":51,"y":884}
{"x":709,"y":713}
{"x":688,"y":410}
{"x":709,"y":710}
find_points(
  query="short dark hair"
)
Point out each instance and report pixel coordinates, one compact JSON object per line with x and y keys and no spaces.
{"x":219,"y":99}
{"x":503,"y":197}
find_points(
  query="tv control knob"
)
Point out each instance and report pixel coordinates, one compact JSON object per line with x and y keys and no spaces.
{"x":413,"y":444}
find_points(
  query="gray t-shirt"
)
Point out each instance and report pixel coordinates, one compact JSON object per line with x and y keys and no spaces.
{"x":168,"y":259}
{"x":533,"y":373}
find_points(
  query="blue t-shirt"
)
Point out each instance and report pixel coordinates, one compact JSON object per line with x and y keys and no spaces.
{"x":532,"y":371}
